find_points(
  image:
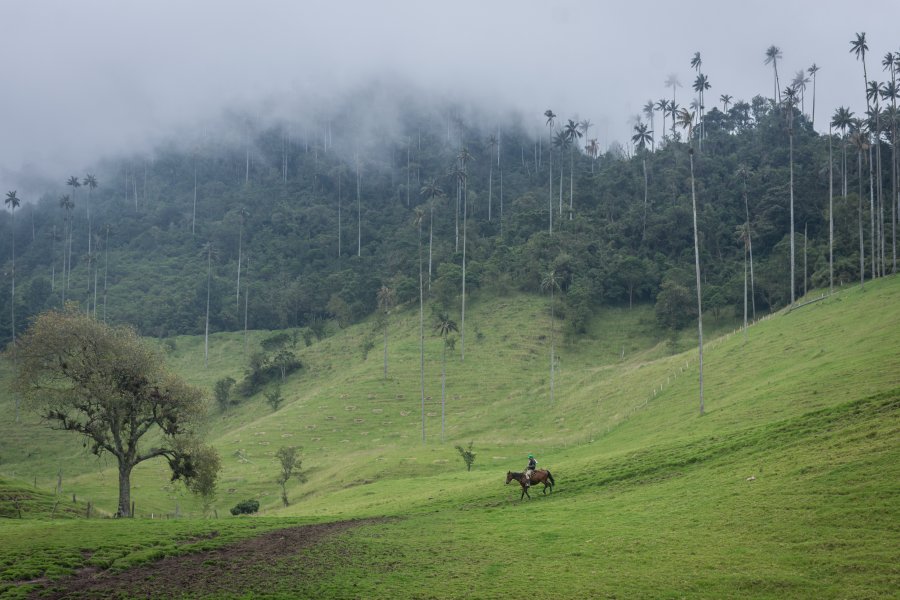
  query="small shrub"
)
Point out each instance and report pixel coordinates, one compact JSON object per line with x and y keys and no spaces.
{"x":222,"y":392}
{"x":467,"y":455}
{"x":247,"y":507}
{"x":274,"y":397}
{"x":276,"y":341}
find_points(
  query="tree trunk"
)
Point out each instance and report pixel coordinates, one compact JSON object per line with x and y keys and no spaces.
{"x":124,"y":509}
{"x":791,"y":135}
{"x":443,"y":385}
{"x":421,"y":334}
{"x":697,"y":269}
{"x":830,"y":207}
{"x":462,"y":325}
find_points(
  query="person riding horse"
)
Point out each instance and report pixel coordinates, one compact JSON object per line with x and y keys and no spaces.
{"x":529,"y":470}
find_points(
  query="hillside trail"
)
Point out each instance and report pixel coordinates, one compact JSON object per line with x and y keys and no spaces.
{"x":232,"y":570}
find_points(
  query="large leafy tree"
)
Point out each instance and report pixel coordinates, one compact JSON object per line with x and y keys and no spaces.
{"x":107,"y":385}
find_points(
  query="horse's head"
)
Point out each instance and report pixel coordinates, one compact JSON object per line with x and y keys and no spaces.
{"x":509,"y":476}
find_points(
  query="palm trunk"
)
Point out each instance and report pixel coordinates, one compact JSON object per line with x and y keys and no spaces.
{"x":206,"y":331}
{"x":862,"y":268}
{"x":874,"y":259}
{"x":237,"y":292}
{"x":490,"y":188}
{"x":339,"y":215}
{"x":571,"y":181}
{"x":462,"y":327}
{"x":550,"y":161}
{"x":247,"y":304}
{"x":430,"y":240}
{"x":646,"y":192}
{"x":358,"y":213}
{"x":791,"y":135}
{"x":421,"y":334}
{"x":194,"y":210}
{"x":443,"y":386}
{"x":552,"y":344}
{"x":830,"y":206}
{"x":697,"y":269}
{"x":105,"y":272}
{"x":805,"y":238}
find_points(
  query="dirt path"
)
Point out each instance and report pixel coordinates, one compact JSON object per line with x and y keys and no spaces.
{"x":232,"y":570}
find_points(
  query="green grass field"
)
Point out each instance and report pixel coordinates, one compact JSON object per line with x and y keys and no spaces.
{"x":788,"y":486}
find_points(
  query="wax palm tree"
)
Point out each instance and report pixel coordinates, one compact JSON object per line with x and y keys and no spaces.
{"x":561,"y":142}
{"x":592,"y":148}
{"x":674,"y":109}
{"x":75,"y":184}
{"x":686,"y":121}
{"x":725,"y":99}
{"x":643,"y":136}
{"x":444,"y":326}
{"x":873,"y":95}
{"x":211,"y":252}
{"x":649,"y":111}
{"x":859,"y":47}
{"x":418,"y":217}
{"x":551,"y":119}
{"x":812,"y":73}
{"x":843,"y":120}
{"x":573,"y":132}
{"x":550,"y":282}
{"x":859,"y":140}
{"x":386,"y":298}
{"x":790,"y":101}
{"x":90,"y":182}
{"x":585,"y":125}
{"x":242,"y":214}
{"x":891,"y":91}
{"x":744,"y":173}
{"x":773,"y":53}
{"x":701,"y":84}
{"x":672,"y":82}
{"x":492,"y":144}
{"x":662,"y":106}
{"x":830,"y":214}
{"x":68,"y":206}
{"x":13,"y":202}
{"x":696,"y":62}
{"x":799,"y":84}
{"x":464,"y":157}
{"x":106,"y":229}
{"x":433,"y":192}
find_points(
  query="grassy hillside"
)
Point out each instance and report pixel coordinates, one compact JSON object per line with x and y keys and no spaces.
{"x":786,"y":487}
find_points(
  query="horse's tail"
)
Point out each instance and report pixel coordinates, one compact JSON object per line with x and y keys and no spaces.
{"x":550,"y":477}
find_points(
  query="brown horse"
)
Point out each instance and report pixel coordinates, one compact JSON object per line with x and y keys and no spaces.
{"x":539,"y":476}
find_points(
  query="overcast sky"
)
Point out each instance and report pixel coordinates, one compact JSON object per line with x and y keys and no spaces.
{"x":88,"y":79}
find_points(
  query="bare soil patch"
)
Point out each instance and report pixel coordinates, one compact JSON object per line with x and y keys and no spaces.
{"x":232,"y":570}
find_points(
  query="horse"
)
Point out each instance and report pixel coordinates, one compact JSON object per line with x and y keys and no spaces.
{"x":539,"y":476}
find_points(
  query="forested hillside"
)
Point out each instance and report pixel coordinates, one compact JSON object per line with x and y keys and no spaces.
{"x":270,"y":223}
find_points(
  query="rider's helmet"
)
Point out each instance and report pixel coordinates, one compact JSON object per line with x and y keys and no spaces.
{"x":531,"y":456}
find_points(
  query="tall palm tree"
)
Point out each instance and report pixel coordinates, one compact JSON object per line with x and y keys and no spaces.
{"x":492,"y":143}
{"x":812,"y":72}
{"x":242,"y":214}
{"x":386,"y":298}
{"x":358,"y":210}
{"x":744,"y":173}
{"x":725,"y":99}
{"x":662,"y":106}
{"x":859,"y":140}
{"x":592,"y":149}
{"x":672,"y":82}
{"x":444,"y":326}
{"x":67,"y":205}
{"x":701,"y":84}
{"x":551,"y":119}
{"x":90,"y":182}
{"x":573,"y":132}
{"x":75,"y":184}
{"x":799,"y":84}
{"x":790,"y":100}
{"x":830,"y":214}
{"x":686,"y":121}
{"x":433,"y":192}
{"x":210,"y":251}
{"x":643,"y":136}
{"x":843,"y":120}
{"x":773,"y":53}
{"x":561,"y":142}
{"x":649,"y":111}
{"x":464,"y":157}
{"x":106,"y":228}
{"x":551,"y":282}
{"x":418,"y":216}
{"x":891,"y":91}
{"x":585,"y":125}
{"x":873,"y":94}
{"x":13,"y":202}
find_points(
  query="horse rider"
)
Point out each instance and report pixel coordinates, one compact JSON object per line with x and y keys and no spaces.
{"x":532,"y":465}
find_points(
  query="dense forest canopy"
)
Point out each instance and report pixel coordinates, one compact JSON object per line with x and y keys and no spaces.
{"x":284,"y":224}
